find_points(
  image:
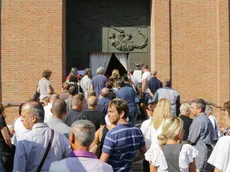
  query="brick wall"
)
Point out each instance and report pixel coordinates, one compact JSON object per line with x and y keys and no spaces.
{"x":31,"y":41}
{"x":33,"y":33}
{"x":200,"y":47}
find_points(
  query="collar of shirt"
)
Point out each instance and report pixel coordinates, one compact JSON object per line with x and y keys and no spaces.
{"x":125,"y":125}
{"x":85,"y":154}
{"x":56,"y":120}
{"x":40,"y":125}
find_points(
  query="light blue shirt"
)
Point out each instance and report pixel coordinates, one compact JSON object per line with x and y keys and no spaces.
{"x":31,"y":148}
{"x":59,"y":126}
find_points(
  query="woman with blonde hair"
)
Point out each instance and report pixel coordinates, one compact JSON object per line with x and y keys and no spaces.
{"x":170,"y":156}
{"x":152,"y":127}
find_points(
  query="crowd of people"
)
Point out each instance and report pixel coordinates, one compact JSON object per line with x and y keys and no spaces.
{"x":89,"y":126}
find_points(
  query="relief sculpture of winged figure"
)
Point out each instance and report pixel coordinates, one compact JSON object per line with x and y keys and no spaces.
{"x":124,"y":42}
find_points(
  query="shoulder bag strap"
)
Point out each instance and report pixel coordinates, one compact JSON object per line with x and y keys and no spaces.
{"x":47,"y":151}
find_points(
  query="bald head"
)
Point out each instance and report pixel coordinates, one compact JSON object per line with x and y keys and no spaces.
{"x":77,"y":101}
{"x":92,"y":101}
{"x":154,"y":73}
{"x":59,"y":108}
{"x":53,"y":97}
{"x":104,"y":92}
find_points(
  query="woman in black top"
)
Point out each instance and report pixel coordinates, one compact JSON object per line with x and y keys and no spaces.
{"x":184,"y":115}
{"x":6,"y":157}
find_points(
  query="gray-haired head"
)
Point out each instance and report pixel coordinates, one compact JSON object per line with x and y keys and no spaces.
{"x":100,"y":70}
{"x":84,"y":132}
{"x":36,"y":109}
{"x":104,"y":92}
{"x":200,"y":104}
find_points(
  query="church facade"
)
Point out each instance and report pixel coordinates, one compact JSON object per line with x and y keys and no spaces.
{"x":186,"y":41}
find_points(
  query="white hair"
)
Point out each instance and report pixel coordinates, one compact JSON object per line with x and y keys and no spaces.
{"x":84,"y":132}
{"x":100,"y":70}
{"x":184,"y":108}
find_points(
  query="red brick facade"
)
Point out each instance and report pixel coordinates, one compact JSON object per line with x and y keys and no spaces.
{"x":199,"y":60}
{"x":31,"y":41}
{"x":189,"y":43}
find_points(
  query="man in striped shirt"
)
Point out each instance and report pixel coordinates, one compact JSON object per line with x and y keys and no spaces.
{"x":122,"y":142}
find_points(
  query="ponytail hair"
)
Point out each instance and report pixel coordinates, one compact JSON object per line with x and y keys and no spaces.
{"x":171,"y":128}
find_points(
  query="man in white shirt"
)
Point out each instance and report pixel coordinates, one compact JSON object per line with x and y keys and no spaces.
{"x":32,"y":145}
{"x":133,"y":78}
{"x":211,"y":117}
{"x":146,"y":76}
{"x":86,"y":82}
{"x":17,"y":127}
{"x":81,"y":137}
{"x":47,"y":108}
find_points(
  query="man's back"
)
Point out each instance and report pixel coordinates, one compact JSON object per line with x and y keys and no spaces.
{"x":154,"y":84}
{"x":128,"y":94}
{"x":32,"y":146}
{"x":80,"y":164}
{"x":98,"y":83}
{"x":122,"y":143}
{"x":102,"y":106}
{"x":171,"y":95}
{"x":71,"y":116}
{"x":85,"y":84}
{"x":58,"y":125}
{"x":92,"y":115}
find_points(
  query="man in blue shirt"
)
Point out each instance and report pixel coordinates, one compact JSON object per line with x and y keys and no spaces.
{"x":127,"y":93}
{"x":122,"y":142}
{"x":154,"y":83}
{"x":98,"y":81}
{"x":201,"y":135}
{"x":102,"y":105}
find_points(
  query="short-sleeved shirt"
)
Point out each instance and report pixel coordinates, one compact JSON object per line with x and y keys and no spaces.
{"x":157,"y":158}
{"x":220,"y":157}
{"x":85,"y":84}
{"x":102,"y":106}
{"x":71,"y":117}
{"x":92,"y":115}
{"x":43,"y":86}
{"x":146,"y":75}
{"x":154,"y":84}
{"x":201,"y":135}
{"x":170,"y":94}
{"x":98,"y":83}
{"x":128,"y":94}
{"x":122,"y":143}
